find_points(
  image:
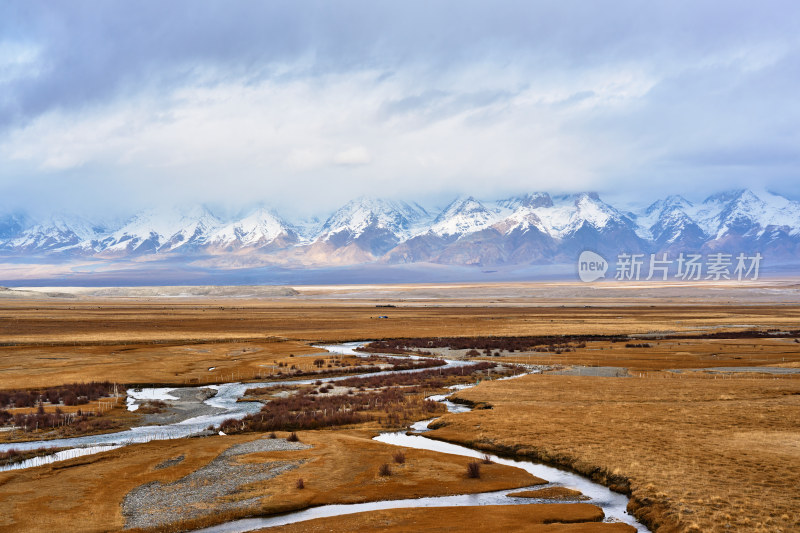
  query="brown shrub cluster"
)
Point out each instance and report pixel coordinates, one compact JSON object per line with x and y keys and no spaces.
{"x":311,"y":411}
{"x":510,"y":344}
{"x":78,"y":422}
{"x":429,"y":378}
{"x":371,"y":366}
{"x":73,"y":394}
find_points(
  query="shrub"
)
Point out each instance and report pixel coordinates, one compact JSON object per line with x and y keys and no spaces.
{"x":300,"y":484}
{"x":486,"y":459}
{"x":399,"y":457}
{"x":473,"y":470}
{"x":273,"y":435}
{"x":293,"y":437}
{"x":384,"y":470}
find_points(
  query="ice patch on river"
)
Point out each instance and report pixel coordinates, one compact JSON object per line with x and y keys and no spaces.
{"x":148,"y":394}
{"x":58,"y":456}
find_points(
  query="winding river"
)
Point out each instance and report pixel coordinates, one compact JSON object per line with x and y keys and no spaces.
{"x":613,"y":504}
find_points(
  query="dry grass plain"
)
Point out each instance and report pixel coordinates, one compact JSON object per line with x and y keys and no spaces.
{"x":685,"y":353}
{"x":696,"y":453}
{"x":341,"y":467}
{"x":50,"y":341}
{"x":552,"y":518}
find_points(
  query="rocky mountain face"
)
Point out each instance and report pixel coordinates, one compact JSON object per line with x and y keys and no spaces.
{"x":534,"y":228}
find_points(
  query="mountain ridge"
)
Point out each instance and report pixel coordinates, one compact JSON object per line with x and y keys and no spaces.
{"x":530,"y":228}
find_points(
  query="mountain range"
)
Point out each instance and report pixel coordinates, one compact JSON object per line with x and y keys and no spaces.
{"x":528,"y":229}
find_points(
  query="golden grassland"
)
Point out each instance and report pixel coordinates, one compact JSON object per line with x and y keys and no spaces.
{"x":174,"y":364}
{"x":548,"y":518}
{"x":45,"y":343}
{"x":550,"y":493}
{"x":341,"y":467}
{"x":670,"y":354}
{"x":696,"y":453}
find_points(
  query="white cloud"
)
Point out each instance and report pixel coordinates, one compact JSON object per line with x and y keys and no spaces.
{"x":509,"y":98}
{"x":238,"y":139}
{"x":355,"y":156}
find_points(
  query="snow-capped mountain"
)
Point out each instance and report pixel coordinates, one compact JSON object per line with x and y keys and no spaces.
{"x":261,"y":228}
{"x":532,"y":228}
{"x":530,"y":200}
{"x":669,"y":225}
{"x":373,"y":225}
{"x":160,"y":231}
{"x":461,"y":217}
{"x":744,"y":213}
{"x":59,"y":232}
{"x":730,"y":221}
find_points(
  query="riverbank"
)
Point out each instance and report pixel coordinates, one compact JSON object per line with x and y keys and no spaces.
{"x":337,"y":467}
{"x":695,"y":453}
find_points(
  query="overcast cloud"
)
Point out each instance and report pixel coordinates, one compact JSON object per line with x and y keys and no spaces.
{"x":112,"y":106}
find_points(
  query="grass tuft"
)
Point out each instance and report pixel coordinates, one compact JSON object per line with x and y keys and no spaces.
{"x":474,"y":470}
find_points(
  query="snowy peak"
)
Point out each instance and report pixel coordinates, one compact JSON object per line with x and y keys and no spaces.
{"x":669,"y":204}
{"x":533,"y":227}
{"x":363,"y":214}
{"x":522,"y":220}
{"x":743,"y":212}
{"x":530,"y":200}
{"x":570,"y":213}
{"x":59,"y":231}
{"x":156,"y":230}
{"x":193,"y":229}
{"x":259,"y":228}
{"x":462,"y":216}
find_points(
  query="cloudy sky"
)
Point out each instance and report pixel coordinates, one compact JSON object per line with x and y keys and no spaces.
{"x":118,"y":105}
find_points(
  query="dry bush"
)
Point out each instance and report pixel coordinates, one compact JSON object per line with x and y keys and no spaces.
{"x":72,"y":394}
{"x":473,"y":470}
{"x":399,"y":457}
{"x":384,"y":470}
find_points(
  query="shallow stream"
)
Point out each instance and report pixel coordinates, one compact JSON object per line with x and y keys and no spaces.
{"x":227,"y":397}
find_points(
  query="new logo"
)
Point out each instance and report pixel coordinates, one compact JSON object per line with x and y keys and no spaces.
{"x":591,"y":266}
